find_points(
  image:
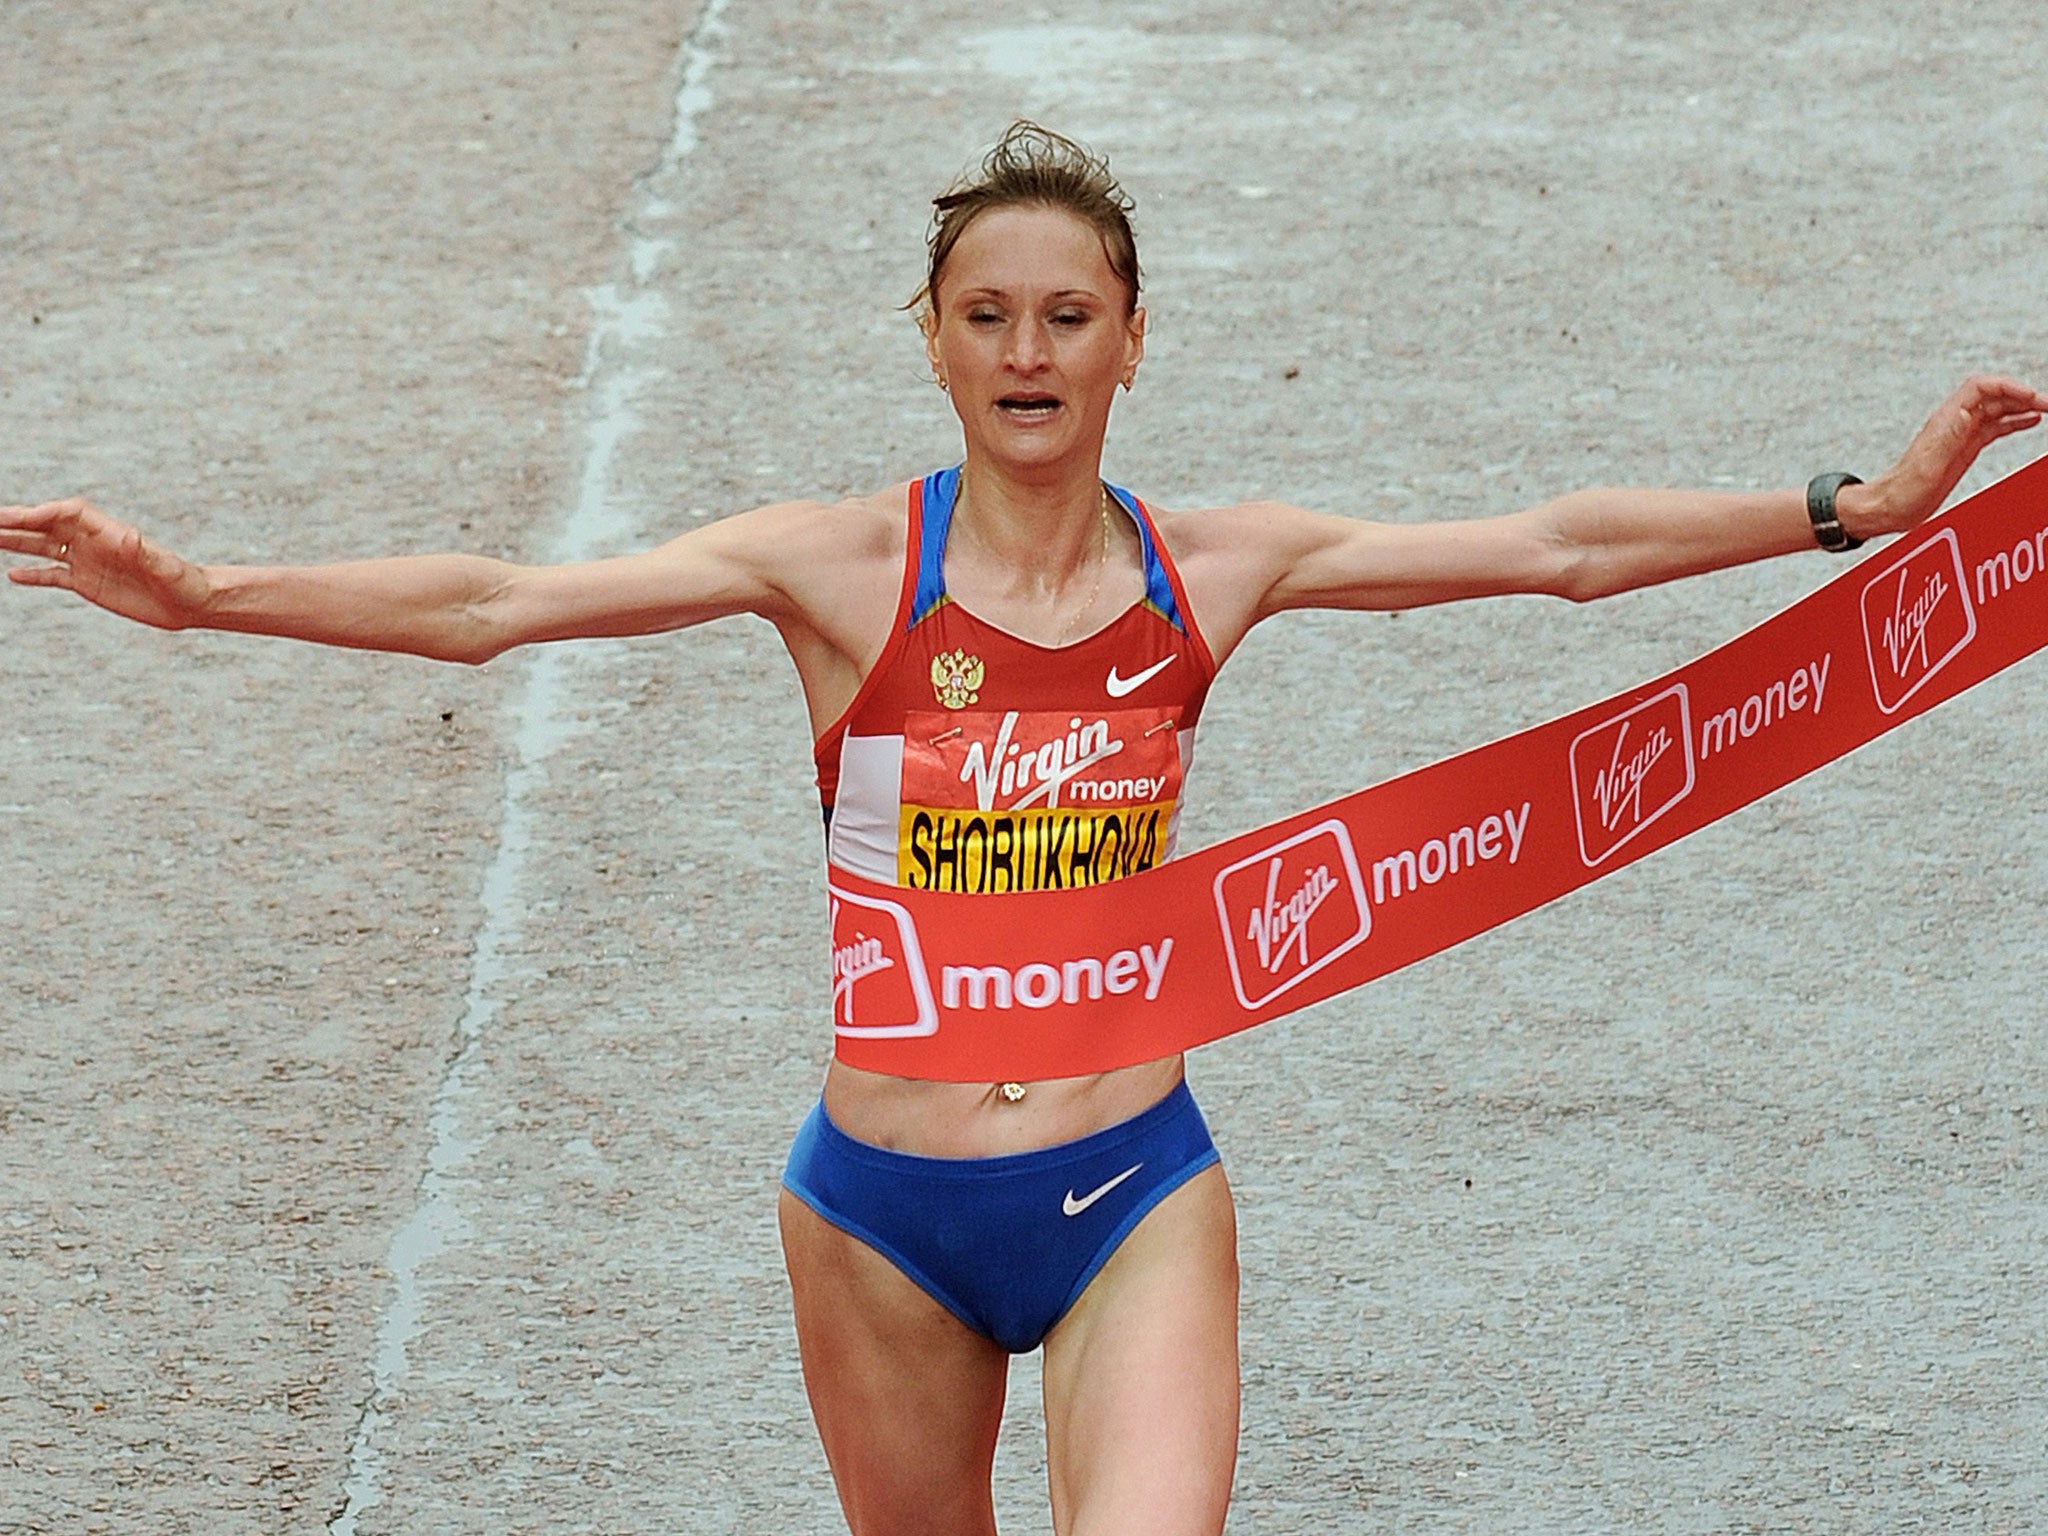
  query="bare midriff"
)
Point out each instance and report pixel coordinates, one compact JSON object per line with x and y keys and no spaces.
{"x":974,"y":1120}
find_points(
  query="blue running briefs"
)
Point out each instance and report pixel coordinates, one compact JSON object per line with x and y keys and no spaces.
{"x":1006,"y":1244}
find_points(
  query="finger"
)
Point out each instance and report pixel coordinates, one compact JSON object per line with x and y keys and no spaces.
{"x":30,"y":518}
{"x":1996,"y":396}
{"x":2012,"y":424}
{"x":49,"y":546}
{"x":68,"y":521}
{"x":1965,"y":423}
{"x":42,"y":576}
{"x":1989,"y":428}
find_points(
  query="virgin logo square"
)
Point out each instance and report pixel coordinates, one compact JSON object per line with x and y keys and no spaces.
{"x":1630,"y":770}
{"x":879,"y":987}
{"x":1916,"y":619}
{"x":1289,"y":910}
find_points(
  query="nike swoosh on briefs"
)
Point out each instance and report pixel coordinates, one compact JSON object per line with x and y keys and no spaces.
{"x":1075,"y":1207}
{"x":1119,"y":686}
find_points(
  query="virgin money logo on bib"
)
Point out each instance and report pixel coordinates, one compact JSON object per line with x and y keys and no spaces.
{"x":1289,"y":910}
{"x":1916,"y":619}
{"x":879,"y":987}
{"x":1630,"y":770}
{"x":1034,"y":800}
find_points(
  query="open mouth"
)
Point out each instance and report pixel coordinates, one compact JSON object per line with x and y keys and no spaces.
{"x":1028,"y":406}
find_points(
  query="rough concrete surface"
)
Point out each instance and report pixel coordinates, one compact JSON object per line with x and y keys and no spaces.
{"x":396,"y":1061}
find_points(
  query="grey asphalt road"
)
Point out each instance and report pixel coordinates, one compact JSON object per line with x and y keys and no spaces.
{"x":396,"y":1060}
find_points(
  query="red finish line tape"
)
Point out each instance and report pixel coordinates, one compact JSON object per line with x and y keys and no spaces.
{"x":1057,"y":983}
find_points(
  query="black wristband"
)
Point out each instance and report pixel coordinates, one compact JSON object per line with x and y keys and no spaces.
{"x":1820,"y":510}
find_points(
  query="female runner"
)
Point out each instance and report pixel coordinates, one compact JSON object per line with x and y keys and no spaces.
{"x":956,"y":638}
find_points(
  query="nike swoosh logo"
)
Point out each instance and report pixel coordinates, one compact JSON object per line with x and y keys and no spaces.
{"x":1075,"y":1207}
{"x":1119,"y":686}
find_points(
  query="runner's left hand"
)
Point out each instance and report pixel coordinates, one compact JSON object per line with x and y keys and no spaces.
{"x":1980,"y":412}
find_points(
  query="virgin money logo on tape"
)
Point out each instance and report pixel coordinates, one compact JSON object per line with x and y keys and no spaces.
{"x":879,"y":987}
{"x":1916,"y":619}
{"x":1291,"y":909}
{"x":1630,"y":770}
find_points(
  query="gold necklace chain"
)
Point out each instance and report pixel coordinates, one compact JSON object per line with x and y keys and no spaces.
{"x":1101,"y":561}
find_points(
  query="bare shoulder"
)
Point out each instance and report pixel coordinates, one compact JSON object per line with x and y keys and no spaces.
{"x":876,"y":520}
{"x":831,"y":570}
{"x":1235,"y":531}
{"x":798,"y":557}
{"x":799,"y":531}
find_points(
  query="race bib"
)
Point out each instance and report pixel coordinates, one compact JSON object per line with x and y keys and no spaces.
{"x":1035,"y":800}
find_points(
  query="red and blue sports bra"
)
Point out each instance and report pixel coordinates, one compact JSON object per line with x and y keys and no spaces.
{"x":973,"y":760}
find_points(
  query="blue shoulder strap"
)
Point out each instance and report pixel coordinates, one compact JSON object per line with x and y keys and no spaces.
{"x":1158,"y":587}
{"x":941,"y":489}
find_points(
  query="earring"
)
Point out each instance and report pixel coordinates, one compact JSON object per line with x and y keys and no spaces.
{"x":940,"y":380}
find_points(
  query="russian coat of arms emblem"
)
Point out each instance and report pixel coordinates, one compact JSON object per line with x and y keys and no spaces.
{"x":956,"y":678}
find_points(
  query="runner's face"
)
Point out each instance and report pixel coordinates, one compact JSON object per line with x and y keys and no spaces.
{"x":1031,"y":336}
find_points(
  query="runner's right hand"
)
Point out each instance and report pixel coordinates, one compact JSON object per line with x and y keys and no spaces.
{"x":105,"y":562}
{"x":1981,"y":411}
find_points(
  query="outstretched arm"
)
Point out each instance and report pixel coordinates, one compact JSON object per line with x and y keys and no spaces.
{"x":1592,"y":543}
{"x":450,"y":607}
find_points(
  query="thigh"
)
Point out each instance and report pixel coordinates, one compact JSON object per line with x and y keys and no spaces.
{"x":1141,"y":1384}
{"x":907,"y":1398}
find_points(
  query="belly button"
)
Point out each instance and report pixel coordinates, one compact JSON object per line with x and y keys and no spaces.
{"x":1013,"y":1093}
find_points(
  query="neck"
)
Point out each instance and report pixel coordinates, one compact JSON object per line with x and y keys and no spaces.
{"x":1051,"y":522}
